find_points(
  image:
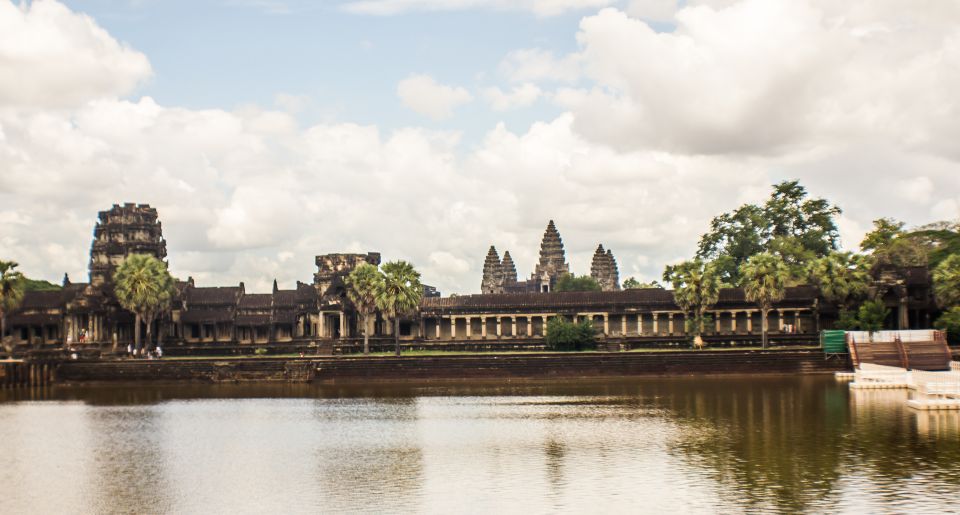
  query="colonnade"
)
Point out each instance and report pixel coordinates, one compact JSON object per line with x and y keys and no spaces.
{"x":484,"y":326}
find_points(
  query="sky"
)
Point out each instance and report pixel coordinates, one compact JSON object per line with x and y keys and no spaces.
{"x":267,"y":132}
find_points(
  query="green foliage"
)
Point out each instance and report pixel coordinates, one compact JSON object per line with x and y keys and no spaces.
{"x":11,"y":293}
{"x":847,"y":321}
{"x":889,"y":244}
{"x":399,"y":293}
{"x":260,"y":351}
{"x":363,"y":283}
{"x":842,"y":277}
{"x":764,"y":278}
{"x":872,"y":315}
{"x":571,"y":282}
{"x":946,"y":282}
{"x":40,"y":285}
{"x":789,"y":224}
{"x":564,"y":335}
{"x":942,"y":240}
{"x":696,"y":287}
{"x":949,"y":321}
{"x":633,"y":284}
{"x":145,"y":287}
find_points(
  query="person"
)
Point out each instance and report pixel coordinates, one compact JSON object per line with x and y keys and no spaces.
{"x":129,"y":349}
{"x":83,"y":336}
{"x":159,"y":352}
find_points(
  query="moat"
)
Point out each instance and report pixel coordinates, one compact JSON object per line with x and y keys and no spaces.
{"x":680,"y":444}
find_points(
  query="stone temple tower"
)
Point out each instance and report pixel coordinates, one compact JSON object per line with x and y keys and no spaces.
{"x":492,"y":281}
{"x":121,"y":231}
{"x":604,"y":269}
{"x":508,"y":270}
{"x":553,"y":261}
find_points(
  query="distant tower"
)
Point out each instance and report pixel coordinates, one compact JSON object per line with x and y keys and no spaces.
{"x":121,"y":231}
{"x":604,"y":270}
{"x":492,"y":281}
{"x":508,"y":270}
{"x":553,"y":261}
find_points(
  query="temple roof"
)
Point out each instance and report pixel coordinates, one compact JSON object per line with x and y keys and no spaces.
{"x":214,"y":295}
{"x":256,"y":301}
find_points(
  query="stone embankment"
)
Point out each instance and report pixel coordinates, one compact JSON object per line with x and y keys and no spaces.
{"x":502,"y":366}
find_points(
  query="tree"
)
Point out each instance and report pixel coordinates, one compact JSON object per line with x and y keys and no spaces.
{"x":399,"y":293}
{"x":872,"y":315}
{"x":949,"y":321}
{"x":946,"y":282}
{"x":764,"y":278}
{"x":789,"y":224}
{"x":696,"y":287}
{"x":563,"y":334}
{"x":842,"y":277}
{"x":363,"y":283}
{"x":633,"y":284}
{"x":145,"y":287}
{"x":11,"y":294}
{"x":570,"y":282}
{"x":889,"y":244}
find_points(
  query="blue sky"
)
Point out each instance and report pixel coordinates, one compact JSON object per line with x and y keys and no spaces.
{"x":267,"y":132}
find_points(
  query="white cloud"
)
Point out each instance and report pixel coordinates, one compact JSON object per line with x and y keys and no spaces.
{"x":535,"y":64}
{"x":653,"y":10}
{"x":520,"y":96}
{"x":423,"y":94}
{"x":537,"y":7}
{"x":52,"y":57}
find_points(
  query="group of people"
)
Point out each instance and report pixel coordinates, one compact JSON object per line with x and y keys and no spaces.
{"x":144,"y":353}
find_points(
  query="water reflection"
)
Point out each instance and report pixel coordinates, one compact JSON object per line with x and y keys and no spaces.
{"x":665,"y":445}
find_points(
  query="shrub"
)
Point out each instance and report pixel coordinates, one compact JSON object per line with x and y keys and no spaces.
{"x":949,"y":321}
{"x":260,"y":351}
{"x":563,"y":335}
{"x":872,"y":315}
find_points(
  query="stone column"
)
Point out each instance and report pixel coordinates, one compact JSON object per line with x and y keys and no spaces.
{"x":639,"y":324}
{"x":656,"y":323}
{"x":716,"y":322}
{"x":469,"y":321}
{"x":499,"y":326}
{"x":733,"y":322}
{"x":543,"y":319}
{"x":323,"y":326}
{"x":606,"y":324}
{"x":623,"y":324}
{"x":797,"y":321}
{"x":439,"y":324}
{"x":750,"y":321}
{"x":343,"y":324}
{"x":670,"y":323}
{"x":513,"y":330}
{"x":453,"y":327}
{"x":483,"y":327}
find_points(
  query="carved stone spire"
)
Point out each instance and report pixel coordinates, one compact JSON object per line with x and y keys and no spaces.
{"x":492,"y":274}
{"x":553,"y":262}
{"x":604,"y":269}
{"x":508,"y":270}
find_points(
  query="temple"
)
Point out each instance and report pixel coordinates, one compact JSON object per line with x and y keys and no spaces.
{"x":507,"y":311}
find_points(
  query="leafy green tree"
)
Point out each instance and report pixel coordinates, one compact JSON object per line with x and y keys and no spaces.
{"x":399,"y":293}
{"x":564,"y":335}
{"x":847,"y":320}
{"x":11,"y":295}
{"x":39,"y":285}
{"x":949,"y":321}
{"x":946,"y":282}
{"x":889,"y":244}
{"x":789,"y":224}
{"x":764,"y":279}
{"x":571,"y":282}
{"x":872,"y":315}
{"x":941,"y":239}
{"x":145,"y":287}
{"x":363,"y":283}
{"x":842,"y":277}
{"x":633,"y":284}
{"x":696,"y":287}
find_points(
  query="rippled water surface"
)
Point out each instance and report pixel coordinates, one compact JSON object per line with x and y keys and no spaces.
{"x":722,"y":445}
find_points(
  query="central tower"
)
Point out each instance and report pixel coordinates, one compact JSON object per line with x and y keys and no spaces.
{"x":553,"y":260}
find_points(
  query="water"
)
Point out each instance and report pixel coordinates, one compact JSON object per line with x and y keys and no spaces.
{"x":709,"y":445}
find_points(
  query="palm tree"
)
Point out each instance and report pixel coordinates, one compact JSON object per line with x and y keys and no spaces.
{"x":11,"y":294}
{"x":363,"y":283}
{"x":399,"y":293}
{"x":842,"y":277}
{"x":146,"y":288}
{"x":764,"y":278}
{"x":696,"y":287}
